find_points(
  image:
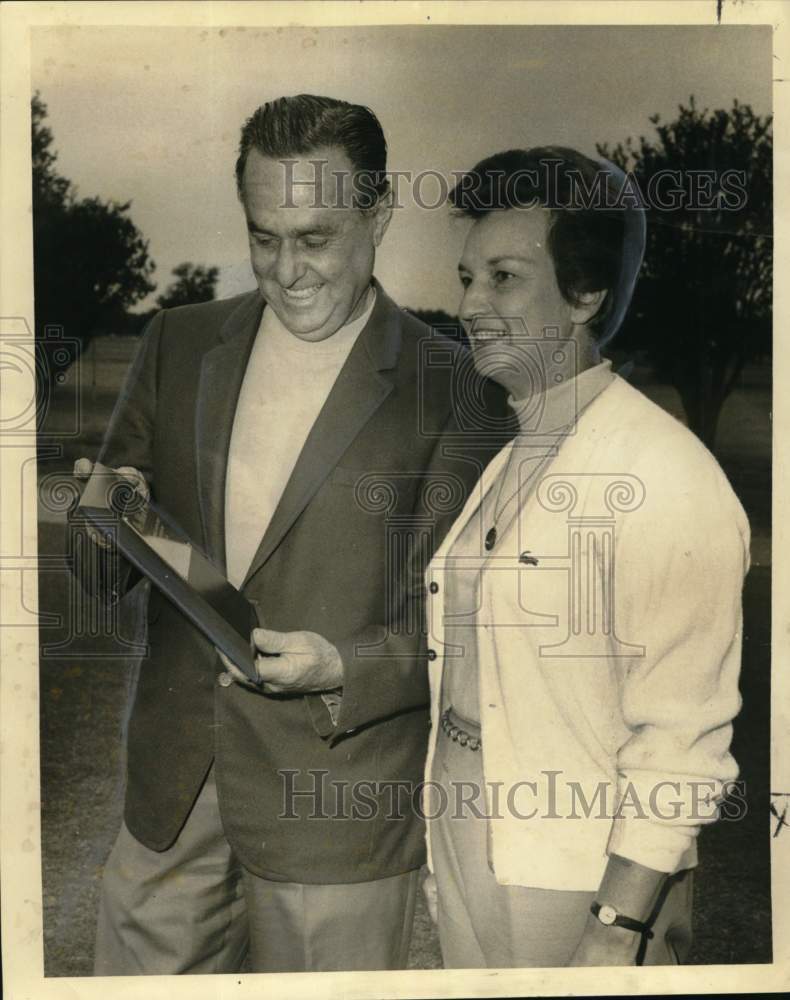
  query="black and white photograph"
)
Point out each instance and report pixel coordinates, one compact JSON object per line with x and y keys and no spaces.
{"x":390,"y":602}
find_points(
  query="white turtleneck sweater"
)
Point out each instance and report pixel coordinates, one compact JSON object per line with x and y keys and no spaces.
{"x":285,"y":386}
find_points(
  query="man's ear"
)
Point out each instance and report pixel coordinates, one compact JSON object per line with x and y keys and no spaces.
{"x":382,"y":214}
{"x":586,"y":306}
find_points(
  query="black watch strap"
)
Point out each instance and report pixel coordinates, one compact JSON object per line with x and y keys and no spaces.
{"x":611,"y":918}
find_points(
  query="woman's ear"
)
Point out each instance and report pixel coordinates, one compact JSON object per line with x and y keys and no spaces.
{"x":586,"y":306}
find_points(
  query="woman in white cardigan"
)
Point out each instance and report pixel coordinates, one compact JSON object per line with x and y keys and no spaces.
{"x":584,"y":610}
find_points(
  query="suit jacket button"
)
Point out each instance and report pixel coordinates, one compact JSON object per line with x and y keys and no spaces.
{"x":434,"y":588}
{"x":431,"y":654}
{"x":225,"y":680}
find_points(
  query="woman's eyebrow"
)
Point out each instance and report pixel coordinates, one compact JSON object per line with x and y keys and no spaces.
{"x":493,"y":261}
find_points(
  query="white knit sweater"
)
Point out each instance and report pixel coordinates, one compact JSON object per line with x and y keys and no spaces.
{"x":580,"y":706}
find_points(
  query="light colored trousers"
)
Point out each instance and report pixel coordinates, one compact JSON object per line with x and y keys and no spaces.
{"x":194,"y":909}
{"x":483,"y":924}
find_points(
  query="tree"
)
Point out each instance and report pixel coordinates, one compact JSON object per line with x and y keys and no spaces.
{"x":90,"y":262}
{"x":49,"y":188}
{"x":443,"y":322}
{"x":702,"y":306}
{"x":194,"y":283}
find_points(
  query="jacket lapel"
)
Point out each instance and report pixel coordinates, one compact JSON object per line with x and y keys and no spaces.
{"x":360,"y":389}
{"x":221,"y":375}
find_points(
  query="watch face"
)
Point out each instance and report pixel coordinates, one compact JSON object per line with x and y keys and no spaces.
{"x":607,"y":914}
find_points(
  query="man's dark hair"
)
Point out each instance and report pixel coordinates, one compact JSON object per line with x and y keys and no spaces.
{"x":586,"y":231}
{"x":293,"y":126}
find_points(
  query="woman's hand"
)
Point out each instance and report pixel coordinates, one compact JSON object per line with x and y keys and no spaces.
{"x":632,"y":889}
{"x":600,"y":945}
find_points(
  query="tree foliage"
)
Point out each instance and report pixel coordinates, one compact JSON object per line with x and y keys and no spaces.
{"x":441,"y":321}
{"x":702,"y":306}
{"x":90,"y":261}
{"x":194,"y":283}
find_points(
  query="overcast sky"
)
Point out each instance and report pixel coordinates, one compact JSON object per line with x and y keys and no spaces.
{"x":153,"y":115}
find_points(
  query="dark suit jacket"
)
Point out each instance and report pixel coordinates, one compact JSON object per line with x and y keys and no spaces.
{"x":327,"y":563}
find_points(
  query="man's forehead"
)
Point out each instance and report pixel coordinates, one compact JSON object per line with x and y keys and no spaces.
{"x":294,"y":221}
{"x":319,"y":178}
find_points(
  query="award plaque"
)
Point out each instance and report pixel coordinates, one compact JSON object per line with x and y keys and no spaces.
{"x":161,"y":551}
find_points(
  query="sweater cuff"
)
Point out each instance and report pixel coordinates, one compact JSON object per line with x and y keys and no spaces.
{"x":658,"y":817}
{"x":658,"y":847}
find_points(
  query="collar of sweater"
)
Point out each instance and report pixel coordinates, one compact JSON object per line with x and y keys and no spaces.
{"x":560,"y":405}
{"x":341,"y":341}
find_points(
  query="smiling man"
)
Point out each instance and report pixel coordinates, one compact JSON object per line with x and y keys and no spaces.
{"x":313,"y":260}
{"x":269,"y":427}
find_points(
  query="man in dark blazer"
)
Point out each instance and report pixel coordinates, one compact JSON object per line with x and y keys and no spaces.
{"x":276,"y":819}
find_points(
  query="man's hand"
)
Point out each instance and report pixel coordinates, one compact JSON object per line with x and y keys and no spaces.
{"x":83,"y":469}
{"x":291,"y":662}
{"x":600,"y":945}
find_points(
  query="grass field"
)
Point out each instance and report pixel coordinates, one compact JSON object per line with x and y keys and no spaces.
{"x":83,"y":699}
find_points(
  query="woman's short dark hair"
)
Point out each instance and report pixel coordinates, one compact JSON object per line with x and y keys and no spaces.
{"x":586,"y":230}
{"x":294,"y":126}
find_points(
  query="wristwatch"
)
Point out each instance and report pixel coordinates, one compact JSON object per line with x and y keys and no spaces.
{"x":609,"y":917}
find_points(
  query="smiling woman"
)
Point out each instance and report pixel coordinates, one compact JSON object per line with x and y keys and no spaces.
{"x":599,"y":472}
{"x":511,"y":296}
